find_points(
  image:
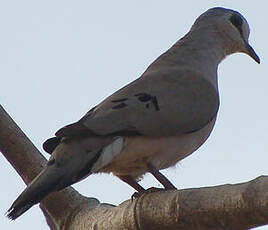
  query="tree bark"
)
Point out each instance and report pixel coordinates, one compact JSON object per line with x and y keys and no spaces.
{"x":232,"y":207}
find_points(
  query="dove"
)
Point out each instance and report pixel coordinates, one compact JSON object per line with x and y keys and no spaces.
{"x":153,"y":122}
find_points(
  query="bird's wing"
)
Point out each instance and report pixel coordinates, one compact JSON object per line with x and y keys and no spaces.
{"x":170,"y":102}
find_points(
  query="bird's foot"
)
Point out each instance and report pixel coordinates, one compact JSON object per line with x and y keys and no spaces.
{"x":147,"y":191}
{"x":160,"y":177}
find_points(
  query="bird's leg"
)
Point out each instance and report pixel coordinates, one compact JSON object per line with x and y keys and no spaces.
{"x":130,"y":181}
{"x":160,"y":177}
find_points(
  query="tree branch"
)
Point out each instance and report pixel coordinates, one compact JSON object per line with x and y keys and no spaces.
{"x":239,"y":206}
{"x":28,"y":162}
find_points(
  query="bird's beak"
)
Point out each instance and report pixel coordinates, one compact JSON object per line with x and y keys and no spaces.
{"x":251,"y":52}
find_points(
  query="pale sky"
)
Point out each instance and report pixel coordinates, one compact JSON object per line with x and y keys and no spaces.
{"x":60,"y":58}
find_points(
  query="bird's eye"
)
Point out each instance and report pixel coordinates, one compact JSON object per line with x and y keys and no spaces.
{"x":237,"y":21}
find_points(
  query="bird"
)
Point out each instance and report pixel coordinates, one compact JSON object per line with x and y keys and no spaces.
{"x":151,"y":123}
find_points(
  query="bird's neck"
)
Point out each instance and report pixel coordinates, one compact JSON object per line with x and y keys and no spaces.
{"x":205,"y":46}
{"x":198,"y":51}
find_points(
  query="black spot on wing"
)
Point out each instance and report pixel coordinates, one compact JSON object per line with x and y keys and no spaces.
{"x":119,"y":100}
{"x":120,"y":106}
{"x":145,"y":97}
{"x":155,"y":103}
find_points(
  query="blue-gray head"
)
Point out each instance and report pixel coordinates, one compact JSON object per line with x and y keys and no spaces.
{"x":232,"y":27}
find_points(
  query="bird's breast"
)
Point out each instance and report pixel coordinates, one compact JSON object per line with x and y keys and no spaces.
{"x":162,"y":152}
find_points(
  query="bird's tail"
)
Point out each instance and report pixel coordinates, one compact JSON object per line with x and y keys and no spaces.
{"x":39,"y":188}
{"x":71,"y":161}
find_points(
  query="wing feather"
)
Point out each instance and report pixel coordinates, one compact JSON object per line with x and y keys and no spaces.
{"x":164,"y":103}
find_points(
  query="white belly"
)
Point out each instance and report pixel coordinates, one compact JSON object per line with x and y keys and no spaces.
{"x":161,"y":152}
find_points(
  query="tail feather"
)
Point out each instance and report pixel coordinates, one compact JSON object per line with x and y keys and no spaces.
{"x":71,"y":161}
{"x":50,"y":144}
{"x":39,"y":188}
{"x":17,"y":210}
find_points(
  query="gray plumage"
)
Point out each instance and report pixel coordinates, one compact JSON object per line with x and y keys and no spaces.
{"x":151,"y":123}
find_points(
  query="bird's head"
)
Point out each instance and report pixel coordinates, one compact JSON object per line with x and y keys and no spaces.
{"x":231,"y":27}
